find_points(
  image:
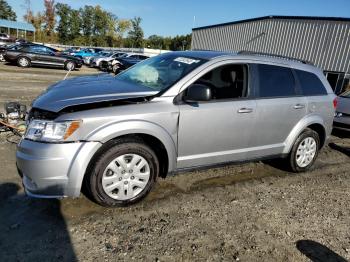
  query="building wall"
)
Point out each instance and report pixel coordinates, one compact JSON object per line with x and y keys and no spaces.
{"x":325,"y":43}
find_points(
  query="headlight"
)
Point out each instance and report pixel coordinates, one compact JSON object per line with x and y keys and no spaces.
{"x":50,"y":131}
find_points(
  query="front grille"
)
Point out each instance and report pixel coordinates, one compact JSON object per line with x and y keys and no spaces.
{"x":36,"y":113}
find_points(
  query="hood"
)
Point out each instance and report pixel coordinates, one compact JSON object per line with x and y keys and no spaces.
{"x":343,"y":105}
{"x":88,"y":90}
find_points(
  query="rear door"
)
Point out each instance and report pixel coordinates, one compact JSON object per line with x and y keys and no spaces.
{"x":280,"y":106}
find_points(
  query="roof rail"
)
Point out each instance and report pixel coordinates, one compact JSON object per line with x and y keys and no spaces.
{"x":243,"y":52}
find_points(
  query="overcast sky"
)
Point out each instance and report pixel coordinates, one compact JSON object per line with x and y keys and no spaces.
{"x":169,"y":18}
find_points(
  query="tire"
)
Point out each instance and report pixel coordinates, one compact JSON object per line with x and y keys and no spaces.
{"x":2,"y":59}
{"x":304,"y":151}
{"x":122,"y":186}
{"x":70,"y":65}
{"x":23,"y":61}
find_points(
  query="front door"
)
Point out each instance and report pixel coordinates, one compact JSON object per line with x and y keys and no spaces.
{"x":219,"y":130}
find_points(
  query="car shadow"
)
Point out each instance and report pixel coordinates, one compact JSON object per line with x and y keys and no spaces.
{"x":32,"y":229}
{"x":341,"y":149}
{"x":340,"y":133}
{"x":317,"y":252}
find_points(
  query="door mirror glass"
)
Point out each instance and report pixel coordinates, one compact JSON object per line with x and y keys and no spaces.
{"x":198,"y":92}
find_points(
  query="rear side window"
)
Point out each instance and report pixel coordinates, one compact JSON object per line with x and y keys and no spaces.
{"x":310,"y":84}
{"x":275,"y":81}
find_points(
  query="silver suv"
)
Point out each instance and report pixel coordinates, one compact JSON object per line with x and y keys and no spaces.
{"x":115,"y":135}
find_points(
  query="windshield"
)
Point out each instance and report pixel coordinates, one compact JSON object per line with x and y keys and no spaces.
{"x":160,"y":72}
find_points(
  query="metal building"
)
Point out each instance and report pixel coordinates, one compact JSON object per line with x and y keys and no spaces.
{"x":324,"y":41}
{"x":17,"y":29}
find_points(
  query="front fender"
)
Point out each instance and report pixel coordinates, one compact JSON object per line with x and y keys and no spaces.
{"x":299,"y":128}
{"x":114,"y":130}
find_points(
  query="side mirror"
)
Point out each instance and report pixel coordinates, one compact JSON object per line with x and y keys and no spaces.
{"x":198,"y":92}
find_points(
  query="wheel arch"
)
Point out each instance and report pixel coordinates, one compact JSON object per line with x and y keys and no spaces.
{"x":313,"y":122}
{"x":153,"y":135}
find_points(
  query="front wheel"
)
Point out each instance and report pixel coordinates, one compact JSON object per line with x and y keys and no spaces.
{"x":23,"y":62}
{"x":70,"y":66}
{"x":123,"y":174}
{"x":305,"y":150}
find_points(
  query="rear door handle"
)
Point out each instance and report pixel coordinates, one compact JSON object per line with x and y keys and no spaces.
{"x":299,"y":106}
{"x":245,"y":110}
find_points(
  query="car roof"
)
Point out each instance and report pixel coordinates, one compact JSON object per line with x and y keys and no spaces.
{"x":264,"y":58}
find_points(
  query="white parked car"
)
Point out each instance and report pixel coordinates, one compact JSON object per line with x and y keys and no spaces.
{"x":96,"y":61}
{"x":4,"y":36}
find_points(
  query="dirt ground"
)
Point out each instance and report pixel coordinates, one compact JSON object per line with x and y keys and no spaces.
{"x":246,"y":212}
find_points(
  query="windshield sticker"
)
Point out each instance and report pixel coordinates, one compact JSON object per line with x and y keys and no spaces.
{"x":185,"y":60}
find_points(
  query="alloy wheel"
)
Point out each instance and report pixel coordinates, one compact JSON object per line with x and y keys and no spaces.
{"x":306,"y":152}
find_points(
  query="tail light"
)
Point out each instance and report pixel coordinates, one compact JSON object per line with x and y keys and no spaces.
{"x":335,"y":102}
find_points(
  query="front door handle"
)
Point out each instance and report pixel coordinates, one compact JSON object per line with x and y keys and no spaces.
{"x":299,"y":106}
{"x":245,"y":110}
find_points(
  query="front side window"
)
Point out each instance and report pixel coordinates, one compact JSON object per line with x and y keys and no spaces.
{"x":160,"y":72}
{"x":227,"y":82}
{"x":310,"y":84}
{"x":275,"y":81}
{"x":40,"y":50}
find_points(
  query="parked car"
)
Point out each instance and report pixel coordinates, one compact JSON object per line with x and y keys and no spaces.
{"x":26,"y":55}
{"x":121,"y":63}
{"x":342,"y":114}
{"x":4,"y":36}
{"x":173,"y":112}
{"x":2,"y":52}
{"x":90,"y":59}
{"x":96,"y":61}
{"x":87,"y":59}
{"x":85,"y":52}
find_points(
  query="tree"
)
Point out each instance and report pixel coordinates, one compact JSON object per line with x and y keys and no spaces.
{"x":155,"y":41}
{"x":74,"y":21}
{"x":124,"y":25}
{"x":63,"y":28}
{"x":136,"y":34}
{"x":49,"y":17}
{"x":87,"y":20}
{"x":6,"y":11}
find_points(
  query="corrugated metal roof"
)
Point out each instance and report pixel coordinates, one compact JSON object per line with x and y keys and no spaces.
{"x":321,"y":18}
{"x":16,"y":25}
{"x":325,"y":42}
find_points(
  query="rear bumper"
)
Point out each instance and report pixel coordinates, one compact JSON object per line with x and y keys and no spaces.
{"x":53,"y":170}
{"x":342,"y":123}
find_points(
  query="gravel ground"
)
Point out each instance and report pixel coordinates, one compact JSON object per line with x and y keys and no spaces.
{"x":247,"y":212}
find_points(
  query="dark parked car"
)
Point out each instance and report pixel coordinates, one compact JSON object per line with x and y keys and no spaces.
{"x":26,"y":55}
{"x":342,"y":114}
{"x":2,"y":52}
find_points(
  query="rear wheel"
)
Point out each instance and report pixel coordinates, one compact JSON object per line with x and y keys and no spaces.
{"x":304,"y":151}
{"x":23,"y":62}
{"x":124,"y":174}
{"x":70,"y":66}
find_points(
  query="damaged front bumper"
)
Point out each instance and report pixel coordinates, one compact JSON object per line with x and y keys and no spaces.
{"x":53,"y":170}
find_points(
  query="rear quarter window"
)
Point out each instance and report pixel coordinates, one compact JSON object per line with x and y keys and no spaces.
{"x":310,"y":84}
{"x":275,"y":81}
